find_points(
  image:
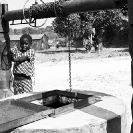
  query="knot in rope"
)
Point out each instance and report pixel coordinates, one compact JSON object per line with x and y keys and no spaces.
{"x":47,"y":10}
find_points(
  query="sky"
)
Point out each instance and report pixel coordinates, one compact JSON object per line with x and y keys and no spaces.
{"x":19,"y":4}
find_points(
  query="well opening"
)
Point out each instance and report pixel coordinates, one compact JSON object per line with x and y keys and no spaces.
{"x":59,"y":101}
{"x":56,"y":101}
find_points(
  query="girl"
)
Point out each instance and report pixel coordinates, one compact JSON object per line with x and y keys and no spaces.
{"x":23,"y":68}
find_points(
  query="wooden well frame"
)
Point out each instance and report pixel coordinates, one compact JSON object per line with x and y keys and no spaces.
{"x":29,"y":109}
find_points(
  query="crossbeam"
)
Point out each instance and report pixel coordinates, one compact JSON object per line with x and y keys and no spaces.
{"x":16,"y":15}
{"x":63,"y":8}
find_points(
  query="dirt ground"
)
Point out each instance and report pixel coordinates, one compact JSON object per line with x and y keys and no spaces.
{"x":108,"y":73}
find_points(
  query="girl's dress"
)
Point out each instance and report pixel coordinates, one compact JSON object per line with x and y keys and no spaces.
{"x":25,"y":68}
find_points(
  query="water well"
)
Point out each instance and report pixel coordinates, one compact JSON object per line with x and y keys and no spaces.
{"x":63,"y":112}
{"x":91,"y":112}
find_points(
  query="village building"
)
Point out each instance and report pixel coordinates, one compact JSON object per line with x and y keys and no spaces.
{"x":51,"y":42}
{"x":62,"y":41}
{"x":39,"y":41}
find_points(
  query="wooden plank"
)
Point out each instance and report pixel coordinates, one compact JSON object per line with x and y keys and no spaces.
{"x":65,"y":109}
{"x":86,"y":102}
{"x":24,"y":120}
{"x":15,"y":113}
{"x":72,"y":94}
{"x":38,"y":96}
{"x":76,"y":105}
{"x":43,"y":95}
{"x":30,"y":106}
{"x":47,"y":94}
{"x":5,"y":102}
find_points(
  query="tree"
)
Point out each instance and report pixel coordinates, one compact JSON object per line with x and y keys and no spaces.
{"x":108,"y":24}
{"x":28,"y":30}
{"x":74,"y":25}
{"x":49,"y":29}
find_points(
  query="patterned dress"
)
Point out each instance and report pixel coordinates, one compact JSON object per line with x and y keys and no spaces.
{"x":26,"y":68}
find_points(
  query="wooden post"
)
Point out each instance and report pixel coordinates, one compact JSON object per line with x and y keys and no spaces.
{"x":130,"y":12}
{"x":4,"y":41}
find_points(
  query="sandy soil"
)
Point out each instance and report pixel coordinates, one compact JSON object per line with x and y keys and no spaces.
{"x":108,"y":75}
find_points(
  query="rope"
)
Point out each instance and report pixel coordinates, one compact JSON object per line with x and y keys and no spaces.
{"x":52,"y":9}
{"x":32,"y":17}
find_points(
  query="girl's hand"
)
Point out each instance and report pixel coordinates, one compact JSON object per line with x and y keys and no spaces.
{"x":12,"y":57}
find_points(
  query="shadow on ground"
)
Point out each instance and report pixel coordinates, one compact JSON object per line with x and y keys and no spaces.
{"x":54,"y":51}
{"x":124,"y":50}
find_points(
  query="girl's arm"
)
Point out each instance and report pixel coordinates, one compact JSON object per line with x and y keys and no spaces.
{"x":20,"y":59}
{"x":29,"y":57}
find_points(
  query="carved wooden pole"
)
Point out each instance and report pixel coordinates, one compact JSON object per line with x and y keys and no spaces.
{"x":4,"y":43}
{"x":130,"y":12}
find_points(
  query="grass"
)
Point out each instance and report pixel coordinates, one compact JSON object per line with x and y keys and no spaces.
{"x":61,"y":54}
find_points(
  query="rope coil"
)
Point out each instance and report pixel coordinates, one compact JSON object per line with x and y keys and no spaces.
{"x":31,"y":16}
{"x":45,"y":10}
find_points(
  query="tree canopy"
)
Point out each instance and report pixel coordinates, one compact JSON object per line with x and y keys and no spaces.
{"x":108,"y":24}
{"x":75,"y":25}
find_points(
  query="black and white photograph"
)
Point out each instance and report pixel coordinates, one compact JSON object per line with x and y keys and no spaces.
{"x":66,"y":66}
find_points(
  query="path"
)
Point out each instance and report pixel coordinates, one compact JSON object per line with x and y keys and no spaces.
{"x":110,"y":75}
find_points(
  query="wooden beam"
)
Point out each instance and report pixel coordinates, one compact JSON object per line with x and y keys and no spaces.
{"x":4,"y":42}
{"x":67,"y":7}
{"x":16,"y":14}
{"x":130,"y":12}
{"x":75,"y":6}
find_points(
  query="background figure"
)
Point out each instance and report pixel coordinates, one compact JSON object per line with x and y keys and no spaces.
{"x":23,"y":69}
{"x":57,"y":44}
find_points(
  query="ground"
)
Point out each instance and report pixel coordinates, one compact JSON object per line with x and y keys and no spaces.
{"x":108,"y":72}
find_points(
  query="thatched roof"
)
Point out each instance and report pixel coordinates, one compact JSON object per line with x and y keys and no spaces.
{"x":34,"y":37}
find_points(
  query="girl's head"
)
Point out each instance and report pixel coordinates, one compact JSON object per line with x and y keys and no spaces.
{"x":25,"y":42}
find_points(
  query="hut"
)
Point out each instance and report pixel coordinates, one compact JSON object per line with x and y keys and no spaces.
{"x":51,"y":43}
{"x":62,"y":41}
{"x":39,"y":41}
